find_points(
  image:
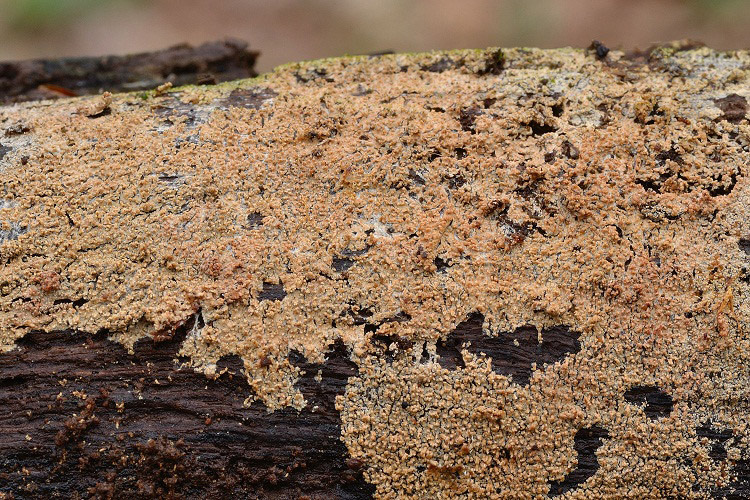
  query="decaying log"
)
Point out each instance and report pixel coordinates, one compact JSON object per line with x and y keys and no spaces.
{"x":208,"y":63}
{"x":511,"y":273}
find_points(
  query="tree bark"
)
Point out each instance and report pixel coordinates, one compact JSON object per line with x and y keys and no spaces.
{"x":82,"y":417}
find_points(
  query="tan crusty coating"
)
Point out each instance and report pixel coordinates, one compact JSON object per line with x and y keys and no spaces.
{"x":135,"y":218}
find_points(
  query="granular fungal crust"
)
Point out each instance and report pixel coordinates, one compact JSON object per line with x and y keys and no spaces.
{"x":359,"y":199}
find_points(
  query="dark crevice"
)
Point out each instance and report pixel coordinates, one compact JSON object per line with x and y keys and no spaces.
{"x":538,"y":129}
{"x":661,"y":160}
{"x":718,"y":438}
{"x":4,"y":150}
{"x":441,"y":264}
{"x":655,"y":402}
{"x":455,"y":181}
{"x":75,"y":303}
{"x":468,"y":117}
{"x":739,"y":488}
{"x":173,"y":108}
{"x":104,"y":112}
{"x":254,"y":220}
{"x":744,"y":244}
{"x":360,"y":317}
{"x":341,"y":264}
{"x":169,"y":178}
{"x":272,"y":291}
{"x":345,"y":261}
{"x":519,"y":232}
{"x":723,"y":188}
{"x":17,"y":129}
{"x":232,"y":363}
{"x":508,"y":358}
{"x":390,"y":342}
{"x":460,"y":153}
{"x":655,"y":111}
{"x":671,"y":154}
{"x":384,"y":341}
{"x":653,"y":184}
{"x":198,"y":321}
{"x":399,"y":317}
{"x":8,"y":382}
{"x":334,"y":374}
{"x":586,"y":442}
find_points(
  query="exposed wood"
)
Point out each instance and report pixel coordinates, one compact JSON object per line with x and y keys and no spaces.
{"x":82,"y":417}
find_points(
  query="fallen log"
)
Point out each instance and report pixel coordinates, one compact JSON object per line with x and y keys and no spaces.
{"x":511,"y":273}
{"x":209,"y":63}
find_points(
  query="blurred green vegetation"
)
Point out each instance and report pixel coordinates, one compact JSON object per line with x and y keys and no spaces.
{"x":31,"y":14}
{"x":41,"y":14}
{"x":716,"y":9}
{"x":709,"y":5}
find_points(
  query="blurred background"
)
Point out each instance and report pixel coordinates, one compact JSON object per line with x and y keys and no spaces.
{"x":291,"y":30}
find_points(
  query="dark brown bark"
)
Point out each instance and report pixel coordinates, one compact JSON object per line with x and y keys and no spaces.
{"x":82,"y":417}
{"x":210,"y":62}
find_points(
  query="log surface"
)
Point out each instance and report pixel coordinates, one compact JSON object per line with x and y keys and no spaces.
{"x":504,"y":273}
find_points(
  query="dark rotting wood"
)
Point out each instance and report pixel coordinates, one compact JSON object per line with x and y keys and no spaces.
{"x":211,"y":62}
{"x":83,"y":417}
